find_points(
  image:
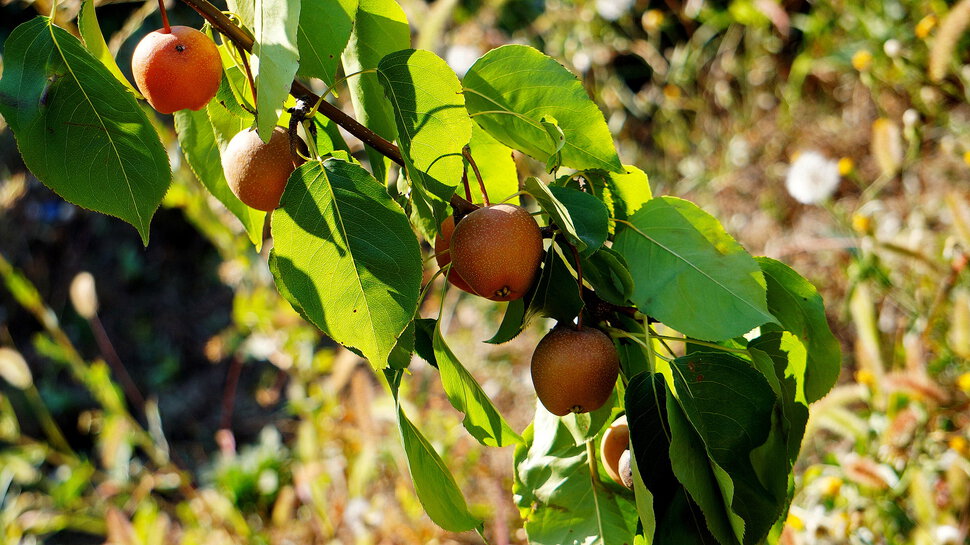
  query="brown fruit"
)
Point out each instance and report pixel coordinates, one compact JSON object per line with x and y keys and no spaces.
{"x":615,"y":441}
{"x":574,"y":370}
{"x":625,"y":468}
{"x":496,"y":250}
{"x":257,"y":171}
{"x":177,"y":70}
{"x":442,"y":253}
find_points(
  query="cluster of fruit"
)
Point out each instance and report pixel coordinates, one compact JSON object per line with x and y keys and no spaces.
{"x":494,"y":251}
{"x":179,"y":68}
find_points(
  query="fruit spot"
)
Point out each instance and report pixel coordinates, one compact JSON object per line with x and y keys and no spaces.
{"x":180,"y":48}
{"x":576,"y":409}
{"x":502,"y":292}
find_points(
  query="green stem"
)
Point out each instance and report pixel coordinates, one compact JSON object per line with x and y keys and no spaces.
{"x":699,"y":343}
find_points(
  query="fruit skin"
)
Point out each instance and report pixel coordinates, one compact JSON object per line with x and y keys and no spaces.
{"x":615,"y":441}
{"x":574,"y":370}
{"x":497,"y":250}
{"x":442,"y":251}
{"x":257,"y":171}
{"x":625,"y":467}
{"x":177,"y":70}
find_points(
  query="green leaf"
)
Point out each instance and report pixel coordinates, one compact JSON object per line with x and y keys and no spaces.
{"x":557,"y":212}
{"x":433,"y":482}
{"x":783,"y":354}
{"x":325,"y":27}
{"x":424,"y":339}
{"x":275,"y":58}
{"x":512,"y":322}
{"x":589,"y":216}
{"x":79,"y":130}
{"x":798,"y":306}
{"x":670,"y":517}
{"x":706,"y":482}
{"x":558,"y":498}
{"x":630,"y":190}
{"x":606,"y":271}
{"x":731,"y":406}
{"x":346,"y":253}
{"x":512,"y":88}
{"x":482,"y":420}
{"x":198,"y":143}
{"x":380,"y":28}
{"x":87,"y":24}
{"x":496,"y":165}
{"x":556,"y":293}
{"x":558,"y":138}
{"x":689,"y":273}
{"x":586,"y":426}
{"x":432,"y":128}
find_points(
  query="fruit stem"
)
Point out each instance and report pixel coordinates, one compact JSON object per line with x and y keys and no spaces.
{"x":594,"y":473}
{"x":238,"y":36}
{"x":249,"y":72}
{"x":467,"y":153}
{"x":464,"y":182}
{"x":698,"y":343}
{"x":579,"y":281}
{"x":161,"y":8}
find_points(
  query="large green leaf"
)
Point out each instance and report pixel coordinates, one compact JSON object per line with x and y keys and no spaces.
{"x":670,"y":517}
{"x":87,"y":24}
{"x":689,"y":273}
{"x":556,"y":292}
{"x":559,"y":499}
{"x":482,"y":420}
{"x":79,"y":130}
{"x":799,"y":307}
{"x":380,"y":28}
{"x":433,"y":482}
{"x":511,"y":90}
{"x":629,"y":191}
{"x":782,"y":354}
{"x":345,"y":251}
{"x":198,"y":143}
{"x":496,"y":165}
{"x":275,"y":58}
{"x":325,"y":27}
{"x":512,"y":323}
{"x":432,"y":126}
{"x":731,"y":406}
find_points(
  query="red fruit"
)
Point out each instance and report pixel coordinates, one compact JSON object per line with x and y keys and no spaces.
{"x":497,"y":250}
{"x":177,"y":70}
{"x":257,"y":171}
{"x":574,"y":370}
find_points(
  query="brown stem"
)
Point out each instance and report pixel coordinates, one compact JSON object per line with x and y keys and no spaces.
{"x":464,"y":182}
{"x":239,"y":37}
{"x":110,"y":356}
{"x":161,"y":9}
{"x":249,"y":72}
{"x":467,"y":153}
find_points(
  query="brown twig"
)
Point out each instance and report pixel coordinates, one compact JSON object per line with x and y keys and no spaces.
{"x":111,"y":357}
{"x":161,"y":9}
{"x":239,"y":37}
{"x":467,"y":154}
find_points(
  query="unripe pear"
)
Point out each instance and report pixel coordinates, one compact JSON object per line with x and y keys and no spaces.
{"x":496,"y":250}
{"x":442,"y":253}
{"x":176,"y":70}
{"x":615,"y":441}
{"x":257,"y":171}
{"x":574,"y":370}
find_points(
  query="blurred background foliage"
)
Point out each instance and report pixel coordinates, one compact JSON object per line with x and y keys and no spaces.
{"x":169,"y":395}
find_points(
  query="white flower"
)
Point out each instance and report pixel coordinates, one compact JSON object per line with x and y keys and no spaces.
{"x":947,"y":535}
{"x":611,"y":10}
{"x":461,"y":57}
{"x":812,"y":178}
{"x":892,"y":47}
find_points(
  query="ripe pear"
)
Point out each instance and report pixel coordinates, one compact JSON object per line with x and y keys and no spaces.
{"x":496,"y":250}
{"x":257,"y":171}
{"x":177,"y":69}
{"x":615,"y":441}
{"x":574,"y":370}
